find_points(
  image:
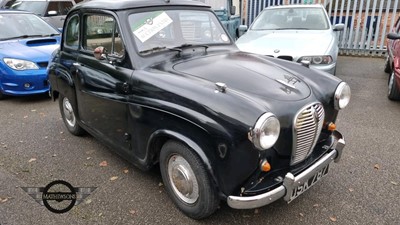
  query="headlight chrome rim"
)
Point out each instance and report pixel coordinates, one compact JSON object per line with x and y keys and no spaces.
{"x":342,"y":96}
{"x":268,"y":124}
{"x":317,"y":59}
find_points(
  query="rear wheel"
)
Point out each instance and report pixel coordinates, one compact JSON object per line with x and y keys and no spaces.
{"x":69,"y":116}
{"x":187,"y":181}
{"x":393,"y":89}
{"x":1,"y":96}
{"x":388,"y":68}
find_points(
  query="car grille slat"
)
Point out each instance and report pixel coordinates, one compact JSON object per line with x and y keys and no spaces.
{"x":307,"y":128}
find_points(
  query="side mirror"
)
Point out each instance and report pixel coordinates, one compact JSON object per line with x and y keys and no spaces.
{"x":52,"y":13}
{"x":233,"y":10}
{"x":338,"y":27}
{"x":100,"y":53}
{"x":242,"y":29}
{"x":393,"y":36}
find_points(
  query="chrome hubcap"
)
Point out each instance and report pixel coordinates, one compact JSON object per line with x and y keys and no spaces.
{"x":183,"y":179}
{"x":69,"y":113}
{"x":391,"y":80}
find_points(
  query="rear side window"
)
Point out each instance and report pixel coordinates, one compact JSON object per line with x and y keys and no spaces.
{"x":72,"y":33}
{"x":61,"y":8}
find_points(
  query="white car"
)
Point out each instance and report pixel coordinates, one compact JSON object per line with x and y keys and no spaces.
{"x":295,"y":33}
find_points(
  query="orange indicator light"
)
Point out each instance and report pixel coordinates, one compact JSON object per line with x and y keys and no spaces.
{"x":265,"y":166}
{"x":331,"y":127}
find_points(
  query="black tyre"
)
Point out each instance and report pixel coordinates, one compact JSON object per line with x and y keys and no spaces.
{"x":388,"y":68}
{"x":393,"y":89}
{"x":2,"y":96}
{"x":69,"y":116}
{"x":187,"y":181}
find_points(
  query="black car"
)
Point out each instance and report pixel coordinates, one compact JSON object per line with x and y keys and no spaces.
{"x":161,"y":83}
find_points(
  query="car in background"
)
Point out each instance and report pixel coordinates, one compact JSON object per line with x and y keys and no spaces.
{"x":5,"y":4}
{"x":389,"y":47}
{"x":394,"y":65}
{"x":26,"y":44}
{"x":295,"y":33}
{"x":52,"y":11}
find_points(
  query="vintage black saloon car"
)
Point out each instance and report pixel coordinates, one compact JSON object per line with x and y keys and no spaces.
{"x":161,"y":83}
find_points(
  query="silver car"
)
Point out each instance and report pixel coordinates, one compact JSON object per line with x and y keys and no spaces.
{"x":51,"y":11}
{"x":295,"y":33}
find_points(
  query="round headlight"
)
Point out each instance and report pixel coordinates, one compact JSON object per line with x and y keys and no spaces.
{"x":266,"y":131}
{"x":342,"y":96}
{"x":317,"y":60}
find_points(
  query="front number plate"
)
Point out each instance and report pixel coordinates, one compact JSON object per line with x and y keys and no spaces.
{"x":301,"y":188}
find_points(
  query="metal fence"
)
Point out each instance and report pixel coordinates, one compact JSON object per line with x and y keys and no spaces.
{"x":366,"y":21}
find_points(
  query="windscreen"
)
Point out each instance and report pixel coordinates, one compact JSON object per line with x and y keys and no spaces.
{"x":300,"y":18}
{"x":24,"y":26}
{"x":174,"y":28}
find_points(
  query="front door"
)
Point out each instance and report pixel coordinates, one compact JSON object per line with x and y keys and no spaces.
{"x":101,"y":85}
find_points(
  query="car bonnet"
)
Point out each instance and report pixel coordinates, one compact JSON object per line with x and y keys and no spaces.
{"x":248,"y":74}
{"x":35,"y":50}
{"x":287,"y":42}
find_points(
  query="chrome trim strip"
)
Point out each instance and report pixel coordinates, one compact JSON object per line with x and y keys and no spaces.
{"x":310,"y":131}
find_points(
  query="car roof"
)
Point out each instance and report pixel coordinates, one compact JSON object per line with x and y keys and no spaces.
{"x":130,"y":4}
{"x":296,"y":6}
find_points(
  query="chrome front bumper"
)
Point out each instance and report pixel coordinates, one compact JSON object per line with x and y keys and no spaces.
{"x":290,"y":181}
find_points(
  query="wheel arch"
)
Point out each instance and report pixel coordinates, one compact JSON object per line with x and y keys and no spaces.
{"x":160,"y":137}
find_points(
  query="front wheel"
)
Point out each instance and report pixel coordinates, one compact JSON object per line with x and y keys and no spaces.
{"x":69,"y":116}
{"x":393,"y":89}
{"x":187,"y":181}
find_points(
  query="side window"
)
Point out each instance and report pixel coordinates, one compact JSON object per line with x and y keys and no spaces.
{"x":61,"y":7}
{"x":102,"y":30}
{"x":72,"y":33}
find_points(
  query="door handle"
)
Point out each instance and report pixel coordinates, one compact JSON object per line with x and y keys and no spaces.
{"x":125,"y":87}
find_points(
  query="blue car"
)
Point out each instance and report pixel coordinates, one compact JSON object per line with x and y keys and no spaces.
{"x":26,"y":44}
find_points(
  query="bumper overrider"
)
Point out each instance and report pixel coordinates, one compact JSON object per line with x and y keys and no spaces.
{"x":291,"y":182}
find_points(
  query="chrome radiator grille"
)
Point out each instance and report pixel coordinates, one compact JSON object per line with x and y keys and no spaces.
{"x":307,"y":128}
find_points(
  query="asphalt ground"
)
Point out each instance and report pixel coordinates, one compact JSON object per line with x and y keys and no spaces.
{"x":35,"y":149}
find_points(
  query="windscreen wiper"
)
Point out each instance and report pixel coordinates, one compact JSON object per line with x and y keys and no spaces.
{"x":23,"y":37}
{"x":51,"y":35}
{"x":158,"y":49}
{"x":190,"y":45}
